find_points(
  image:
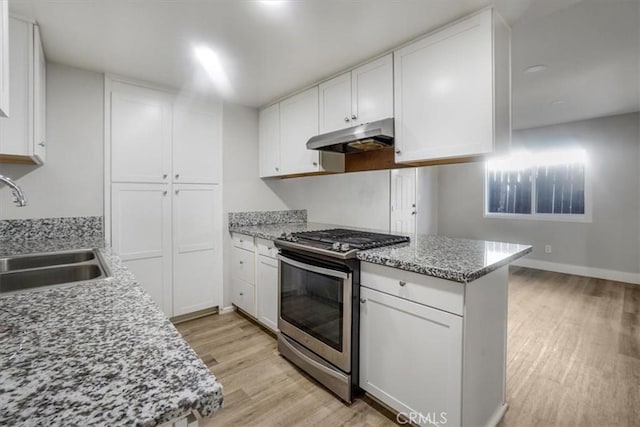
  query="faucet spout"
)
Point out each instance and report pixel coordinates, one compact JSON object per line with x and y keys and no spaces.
{"x":18,"y":195}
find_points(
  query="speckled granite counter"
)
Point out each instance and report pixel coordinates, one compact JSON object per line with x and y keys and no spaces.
{"x":273,"y":231}
{"x":460,"y":260}
{"x":99,"y":353}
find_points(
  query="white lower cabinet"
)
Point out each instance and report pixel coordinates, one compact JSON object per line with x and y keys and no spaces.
{"x":410,"y":356}
{"x":432,"y":349}
{"x":195,"y":264}
{"x":167,"y":237}
{"x":267,"y":284}
{"x":141,"y":236}
{"x":254,"y":278}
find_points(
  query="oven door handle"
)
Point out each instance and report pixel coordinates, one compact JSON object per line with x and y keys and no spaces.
{"x":315,"y":269}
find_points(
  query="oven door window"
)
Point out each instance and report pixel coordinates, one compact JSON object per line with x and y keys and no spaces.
{"x":313,"y":302}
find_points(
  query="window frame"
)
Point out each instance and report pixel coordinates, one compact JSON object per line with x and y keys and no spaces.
{"x":586,"y":217}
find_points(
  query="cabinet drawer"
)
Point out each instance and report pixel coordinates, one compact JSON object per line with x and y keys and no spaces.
{"x":266,"y":248}
{"x":431,"y":291}
{"x":242,"y":241}
{"x":244,"y":296}
{"x":243,"y":265}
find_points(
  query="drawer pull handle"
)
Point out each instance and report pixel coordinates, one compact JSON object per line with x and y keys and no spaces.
{"x":402,"y":283}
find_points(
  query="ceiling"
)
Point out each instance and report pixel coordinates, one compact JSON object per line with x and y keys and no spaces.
{"x":270,"y":48}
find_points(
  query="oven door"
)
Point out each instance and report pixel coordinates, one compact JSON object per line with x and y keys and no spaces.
{"x":315,"y":307}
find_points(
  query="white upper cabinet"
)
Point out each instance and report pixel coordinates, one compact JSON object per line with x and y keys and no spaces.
{"x":140,"y":134}
{"x":4,"y":58}
{"x":269,"y":141}
{"x":196,"y":143}
{"x":22,"y":136}
{"x":359,"y":96}
{"x":39,"y":96}
{"x":335,"y":103}
{"x":298,"y":123}
{"x":452,"y":91}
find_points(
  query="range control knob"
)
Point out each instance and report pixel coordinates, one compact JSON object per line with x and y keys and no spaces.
{"x":345,"y":247}
{"x":336,"y":246}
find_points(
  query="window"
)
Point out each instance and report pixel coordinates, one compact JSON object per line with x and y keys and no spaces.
{"x":538,"y":185}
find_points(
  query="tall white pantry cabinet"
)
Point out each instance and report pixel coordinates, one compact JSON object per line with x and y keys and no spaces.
{"x":163,"y":157}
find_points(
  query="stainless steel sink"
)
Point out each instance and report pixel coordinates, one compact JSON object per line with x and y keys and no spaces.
{"x":25,"y":272}
{"x":22,"y":262}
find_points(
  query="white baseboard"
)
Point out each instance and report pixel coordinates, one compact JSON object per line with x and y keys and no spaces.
{"x":228,"y":310}
{"x":579,"y":270}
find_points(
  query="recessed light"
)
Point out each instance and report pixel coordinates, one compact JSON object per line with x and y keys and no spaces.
{"x":273,"y":3}
{"x":212,"y":65}
{"x":558,"y":102}
{"x":535,"y":68}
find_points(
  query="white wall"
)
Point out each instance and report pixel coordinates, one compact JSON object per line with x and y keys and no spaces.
{"x":70,"y":182}
{"x":610,"y":242}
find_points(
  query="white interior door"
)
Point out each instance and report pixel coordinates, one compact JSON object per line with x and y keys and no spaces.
{"x":403,"y":200}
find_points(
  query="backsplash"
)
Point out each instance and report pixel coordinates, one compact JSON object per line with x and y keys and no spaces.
{"x":240,"y":219}
{"x":51,"y":228}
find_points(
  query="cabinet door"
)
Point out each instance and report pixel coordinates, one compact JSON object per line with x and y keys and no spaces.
{"x":196,"y":248}
{"x":444,"y":93}
{"x":267,"y":291}
{"x":39,"y":97}
{"x":16,"y":132}
{"x":196,"y":143}
{"x":335,"y":103}
{"x":411,"y":355}
{"x":269,"y":141}
{"x":140,"y":134}
{"x":4,"y":58}
{"x":141,"y":236}
{"x":372,"y":91}
{"x":298,"y":123}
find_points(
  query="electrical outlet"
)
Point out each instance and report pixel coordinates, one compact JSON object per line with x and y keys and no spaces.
{"x":547,"y":249}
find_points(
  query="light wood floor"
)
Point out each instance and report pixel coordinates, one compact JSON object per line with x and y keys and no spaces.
{"x":573,"y":360}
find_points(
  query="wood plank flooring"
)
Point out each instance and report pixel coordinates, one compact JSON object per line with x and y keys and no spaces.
{"x":573,"y":360}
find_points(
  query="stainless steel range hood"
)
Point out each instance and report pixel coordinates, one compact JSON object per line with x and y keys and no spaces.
{"x":366,"y":137}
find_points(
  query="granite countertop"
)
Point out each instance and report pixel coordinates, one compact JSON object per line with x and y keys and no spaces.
{"x":458,"y":260}
{"x":99,"y":353}
{"x":273,"y":231}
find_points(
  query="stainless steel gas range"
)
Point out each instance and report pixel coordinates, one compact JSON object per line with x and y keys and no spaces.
{"x":319,"y":302}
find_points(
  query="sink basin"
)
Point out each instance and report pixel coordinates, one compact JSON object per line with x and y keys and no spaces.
{"x":22,"y":262}
{"x":38,"y":277}
{"x":26,"y":272}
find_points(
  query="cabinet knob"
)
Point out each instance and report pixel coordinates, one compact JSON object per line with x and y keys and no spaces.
{"x":277,"y":169}
{"x":413,"y":213}
{"x":177,"y":191}
{"x":346,"y":119}
{"x":402,"y":283}
{"x":315,"y":163}
{"x":363,"y":300}
{"x":41,"y":144}
{"x":164,"y":176}
{"x":241,"y":293}
{"x":177,"y":175}
{"x":398,"y":151}
{"x":164,"y":193}
{"x":353,"y":117}
{"x":241,"y":240}
{"x":241,"y":262}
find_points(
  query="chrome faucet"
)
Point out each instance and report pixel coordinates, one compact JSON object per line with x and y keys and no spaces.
{"x":18,"y":195}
